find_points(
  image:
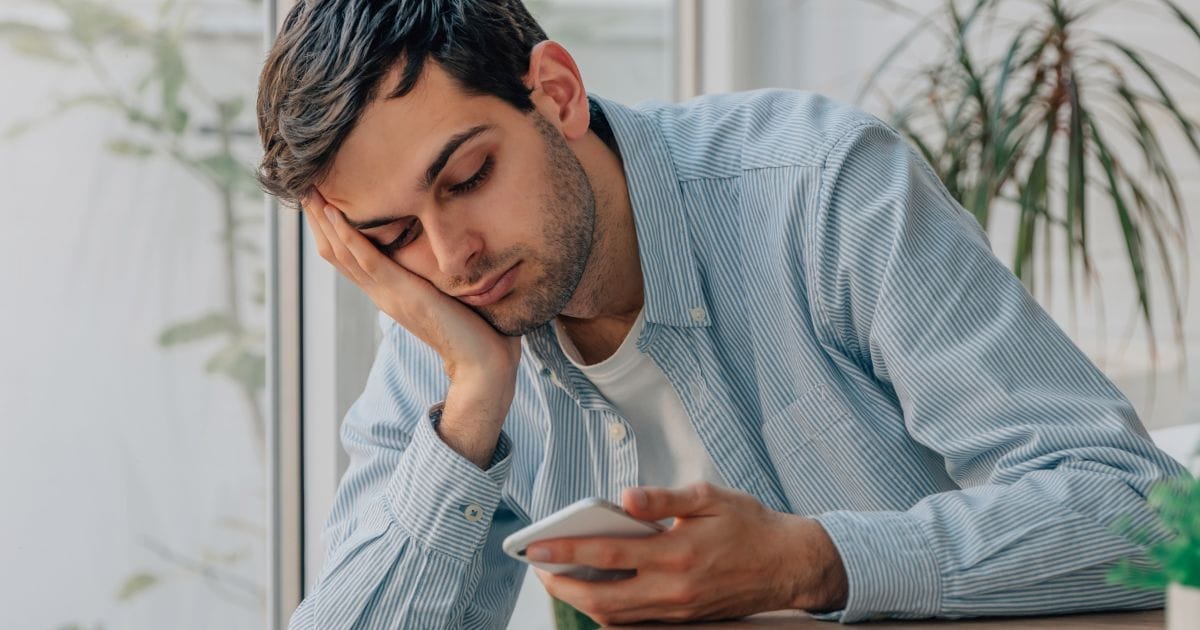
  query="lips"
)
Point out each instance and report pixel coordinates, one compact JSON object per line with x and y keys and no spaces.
{"x":492,"y":291}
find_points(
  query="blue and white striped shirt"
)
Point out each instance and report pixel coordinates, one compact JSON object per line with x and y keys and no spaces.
{"x":846,"y":346}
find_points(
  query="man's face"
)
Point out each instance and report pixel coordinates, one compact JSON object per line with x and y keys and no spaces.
{"x":471,"y":194}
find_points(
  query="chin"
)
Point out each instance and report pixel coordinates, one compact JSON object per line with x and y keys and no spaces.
{"x":511,"y":324}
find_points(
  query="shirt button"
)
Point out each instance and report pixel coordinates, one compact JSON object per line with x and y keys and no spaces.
{"x":616,"y":431}
{"x":473,"y":512}
{"x":697,"y":314}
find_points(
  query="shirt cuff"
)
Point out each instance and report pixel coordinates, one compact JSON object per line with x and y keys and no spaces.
{"x":891,"y":568}
{"x":441,"y":498}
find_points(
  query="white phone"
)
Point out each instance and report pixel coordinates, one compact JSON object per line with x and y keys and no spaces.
{"x":582,"y":519}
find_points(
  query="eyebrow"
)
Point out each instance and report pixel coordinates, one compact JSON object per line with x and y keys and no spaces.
{"x":431,"y":173}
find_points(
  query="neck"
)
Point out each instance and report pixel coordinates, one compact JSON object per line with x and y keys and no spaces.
{"x":610,"y":293}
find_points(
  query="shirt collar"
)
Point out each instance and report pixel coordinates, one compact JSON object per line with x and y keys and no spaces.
{"x":673,"y":293}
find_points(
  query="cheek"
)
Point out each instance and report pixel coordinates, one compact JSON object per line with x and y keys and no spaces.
{"x":418,"y":259}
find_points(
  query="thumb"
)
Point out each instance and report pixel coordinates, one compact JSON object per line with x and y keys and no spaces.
{"x":654,"y":504}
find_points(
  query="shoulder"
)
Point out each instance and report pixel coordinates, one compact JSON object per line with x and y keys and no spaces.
{"x":726,"y":134}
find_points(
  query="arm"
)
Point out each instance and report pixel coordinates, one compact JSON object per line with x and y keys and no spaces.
{"x":415,"y":532}
{"x":404,"y":546}
{"x":1046,"y":450}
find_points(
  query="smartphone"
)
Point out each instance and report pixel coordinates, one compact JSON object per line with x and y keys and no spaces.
{"x":582,"y":519}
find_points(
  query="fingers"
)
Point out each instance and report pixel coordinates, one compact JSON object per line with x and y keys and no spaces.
{"x":653,"y":504}
{"x":371,"y":261}
{"x":601,"y":553}
{"x":601,"y":600}
{"x":330,"y":246}
{"x":311,"y":207}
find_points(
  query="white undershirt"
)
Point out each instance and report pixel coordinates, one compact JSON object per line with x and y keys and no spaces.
{"x":669,"y":450}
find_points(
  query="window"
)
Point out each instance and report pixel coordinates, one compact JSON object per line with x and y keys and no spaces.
{"x":136,"y":421}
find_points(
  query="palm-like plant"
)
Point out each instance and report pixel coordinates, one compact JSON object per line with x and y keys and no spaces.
{"x":1037,"y":126}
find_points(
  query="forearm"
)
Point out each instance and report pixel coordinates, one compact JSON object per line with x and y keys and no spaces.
{"x":1041,"y":545}
{"x":473,"y":414}
{"x":413,"y":547}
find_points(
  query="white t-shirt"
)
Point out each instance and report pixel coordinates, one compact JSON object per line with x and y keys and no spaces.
{"x":669,"y":450}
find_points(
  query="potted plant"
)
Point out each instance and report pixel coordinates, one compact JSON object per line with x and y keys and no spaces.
{"x":1054,"y":111}
{"x":1177,"y":556}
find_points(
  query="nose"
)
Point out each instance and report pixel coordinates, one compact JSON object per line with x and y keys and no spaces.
{"x":455,"y":246}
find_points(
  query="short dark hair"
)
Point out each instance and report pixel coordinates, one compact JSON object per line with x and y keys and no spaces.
{"x":331,"y":57}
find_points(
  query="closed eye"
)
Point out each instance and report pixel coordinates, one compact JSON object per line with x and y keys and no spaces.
{"x":475,"y":180}
{"x":411,"y":230}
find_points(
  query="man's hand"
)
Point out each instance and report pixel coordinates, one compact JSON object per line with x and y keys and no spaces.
{"x":726,"y":556}
{"x":481,"y":362}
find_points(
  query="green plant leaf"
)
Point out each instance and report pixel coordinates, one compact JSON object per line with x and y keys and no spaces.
{"x":241,"y":525}
{"x":33,"y":41}
{"x":1129,"y":228}
{"x":894,"y":53}
{"x":201,"y":328}
{"x":1168,"y":101}
{"x":1033,"y":204}
{"x":209,"y":556}
{"x":239,"y":363}
{"x":128,"y":147}
{"x":136,"y":584}
{"x":229,"y":174}
{"x":1183,"y":17}
{"x":170,"y":71}
{"x":228,"y":110}
{"x":92,"y":22}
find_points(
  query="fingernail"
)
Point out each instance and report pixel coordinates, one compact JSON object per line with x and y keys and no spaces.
{"x":329,"y":213}
{"x":638,"y":496}
{"x":538,"y":554}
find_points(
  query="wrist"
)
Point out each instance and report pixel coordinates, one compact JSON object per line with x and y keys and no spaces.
{"x":473,"y":416}
{"x":820,"y":583}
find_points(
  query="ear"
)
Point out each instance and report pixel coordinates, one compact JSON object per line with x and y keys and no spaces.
{"x":558,"y":92}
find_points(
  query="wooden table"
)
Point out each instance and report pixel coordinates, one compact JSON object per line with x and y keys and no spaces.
{"x":1141,"y":620}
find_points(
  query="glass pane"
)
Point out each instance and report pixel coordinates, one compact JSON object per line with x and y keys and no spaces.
{"x":131,"y":452}
{"x":624,"y":48}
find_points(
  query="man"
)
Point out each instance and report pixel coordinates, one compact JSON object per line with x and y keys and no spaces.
{"x":759,"y":314}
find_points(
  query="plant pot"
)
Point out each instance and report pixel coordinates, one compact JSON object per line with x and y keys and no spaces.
{"x":567,"y":618}
{"x":1183,"y":607}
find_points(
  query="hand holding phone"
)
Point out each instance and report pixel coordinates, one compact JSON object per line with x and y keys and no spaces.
{"x":587,"y":518}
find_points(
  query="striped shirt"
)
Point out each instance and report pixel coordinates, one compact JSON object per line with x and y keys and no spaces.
{"x":846,"y":346}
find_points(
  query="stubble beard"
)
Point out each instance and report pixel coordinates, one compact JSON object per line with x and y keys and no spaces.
{"x":568,"y":210}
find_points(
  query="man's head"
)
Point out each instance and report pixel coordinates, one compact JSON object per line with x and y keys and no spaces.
{"x":441,"y":129}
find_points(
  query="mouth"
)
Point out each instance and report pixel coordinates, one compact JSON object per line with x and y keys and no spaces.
{"x":493,"y":290}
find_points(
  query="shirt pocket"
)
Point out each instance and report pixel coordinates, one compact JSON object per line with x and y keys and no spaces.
{"x":804,"y":420}
{"x":796,"y":444}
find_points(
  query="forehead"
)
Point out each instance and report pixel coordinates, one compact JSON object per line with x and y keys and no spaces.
{"x":396,"y":138}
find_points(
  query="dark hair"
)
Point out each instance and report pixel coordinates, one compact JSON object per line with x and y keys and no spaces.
{"x":331,"y":57}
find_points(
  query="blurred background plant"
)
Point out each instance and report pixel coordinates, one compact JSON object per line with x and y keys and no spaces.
{"x":169,"y":113}
{"x":1176,"y":556}
{"x":1030,"y":115}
